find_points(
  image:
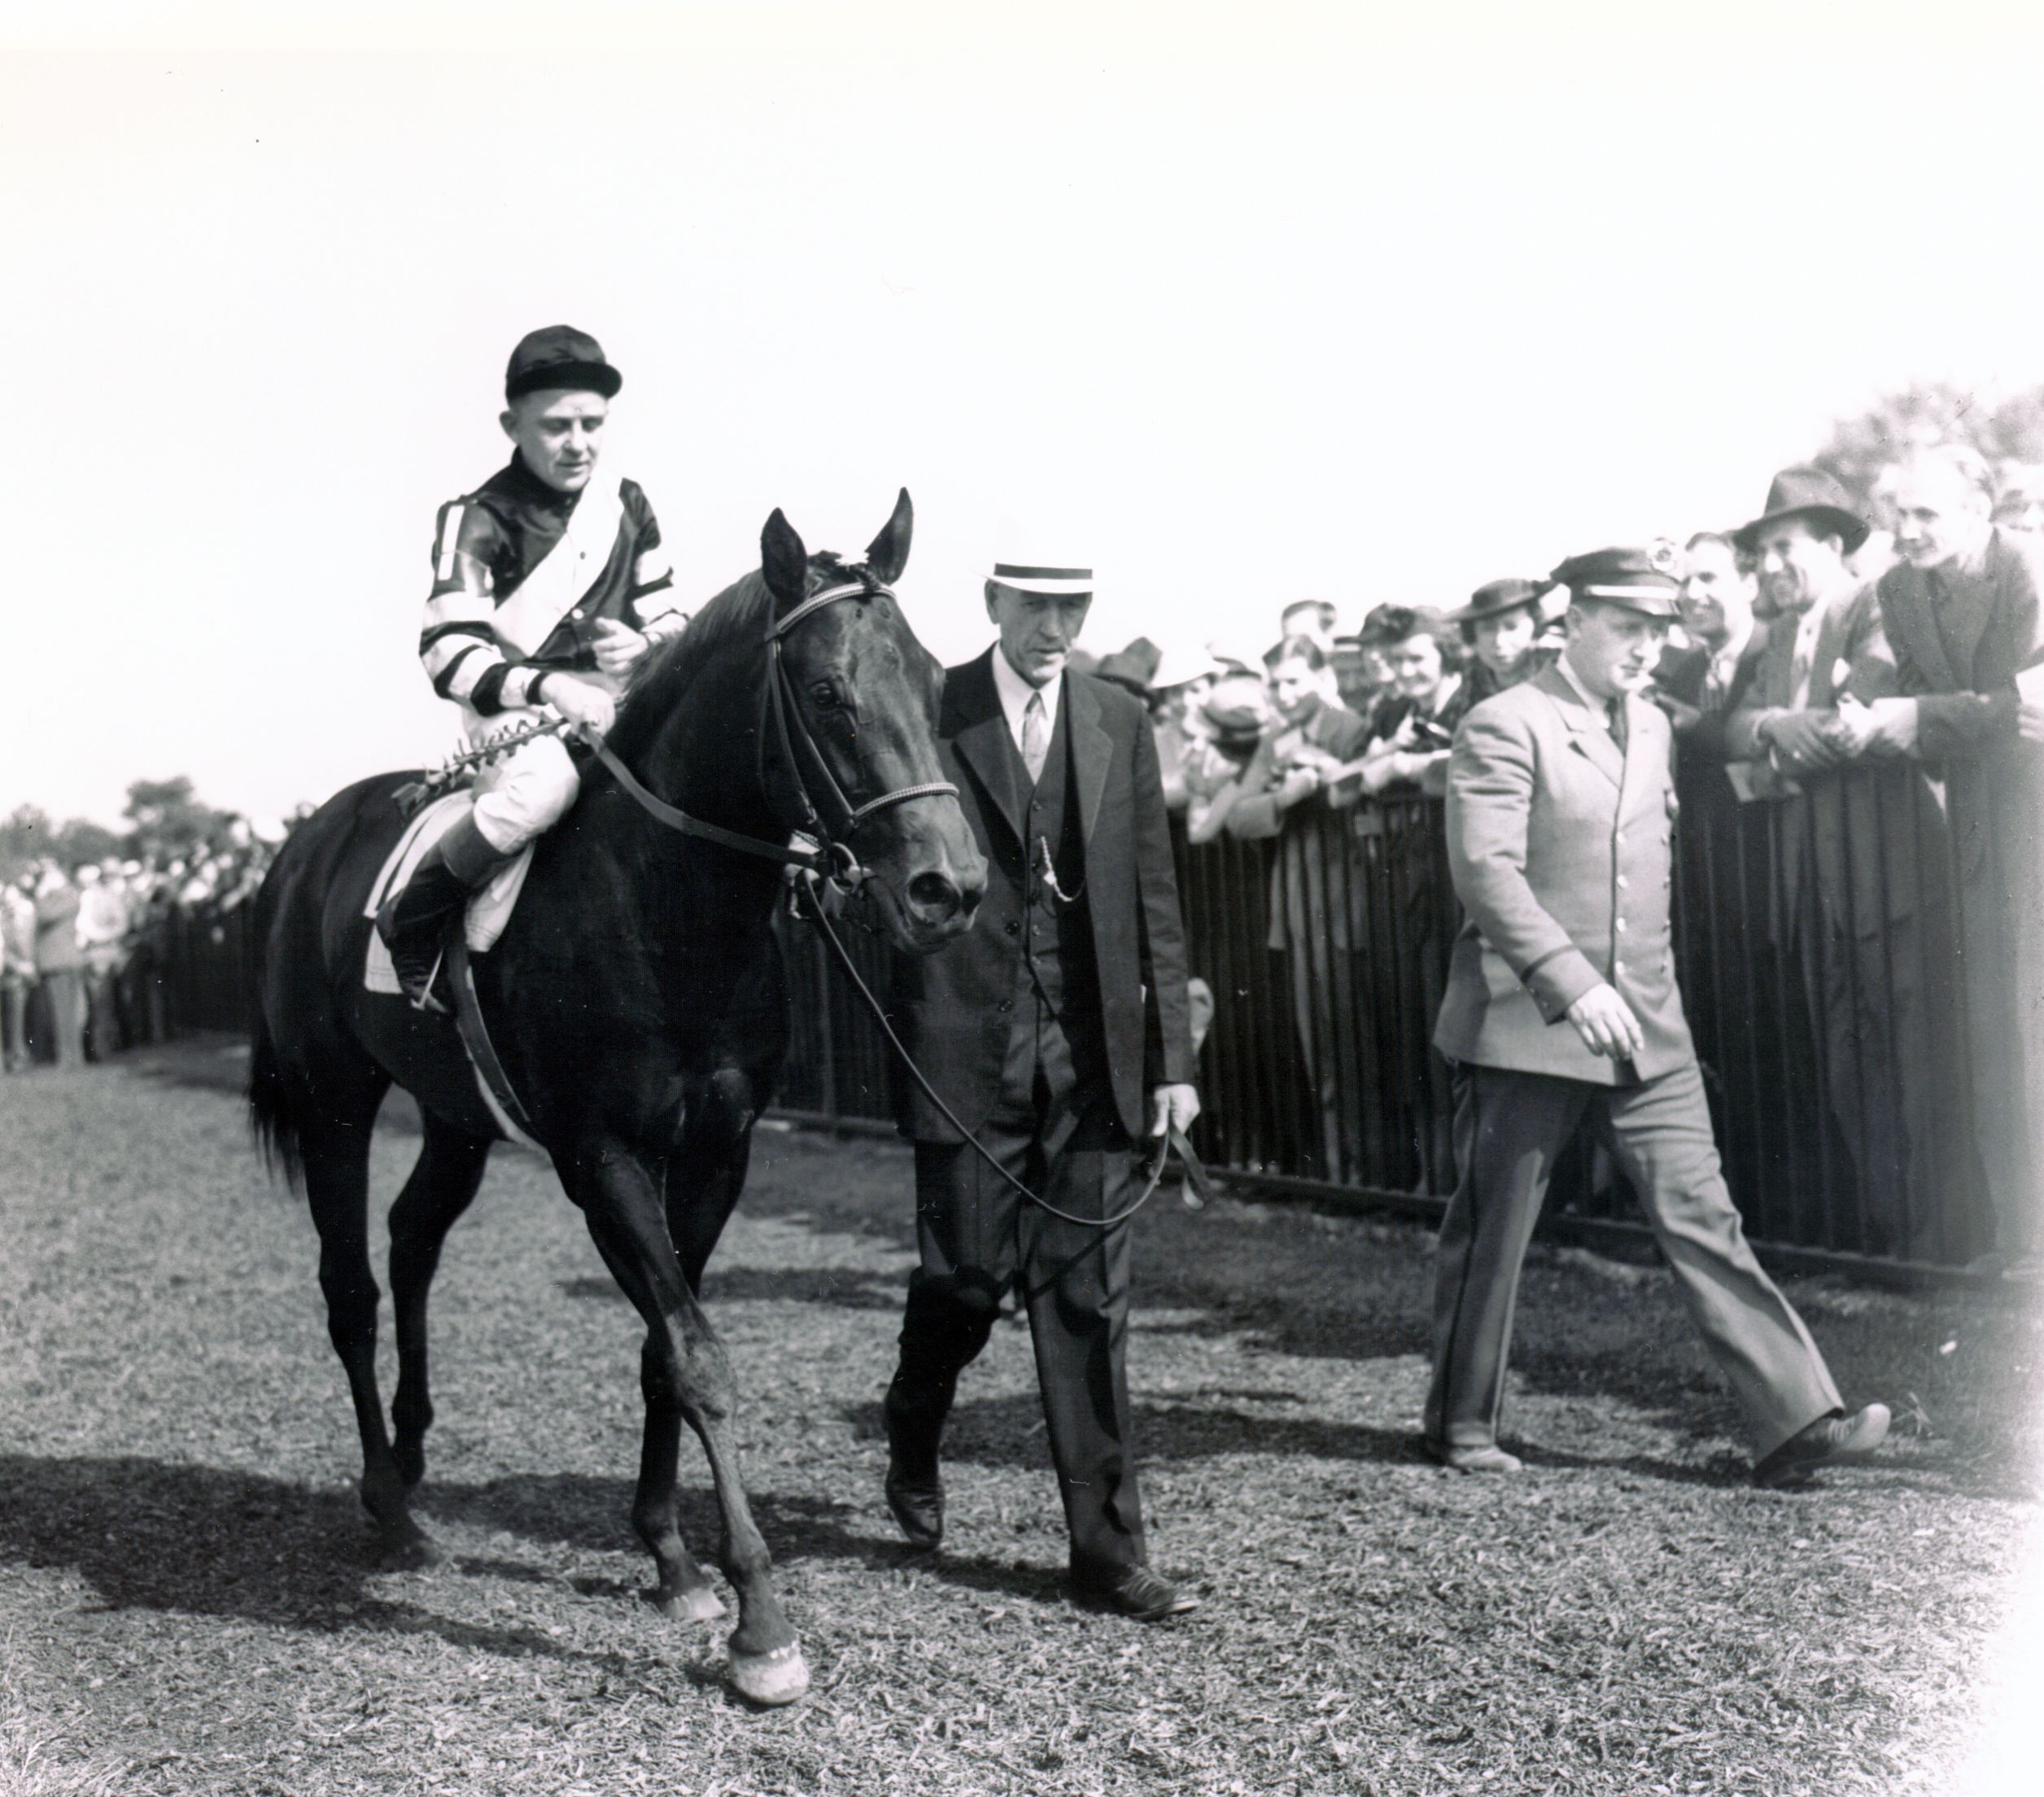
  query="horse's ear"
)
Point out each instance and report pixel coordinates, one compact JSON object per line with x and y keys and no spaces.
{"x":784,"y":563}
{"x":887,"y":554}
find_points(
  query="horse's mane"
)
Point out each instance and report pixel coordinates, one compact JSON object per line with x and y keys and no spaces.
{"x":662,"y":680}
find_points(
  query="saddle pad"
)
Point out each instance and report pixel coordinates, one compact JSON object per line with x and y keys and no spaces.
{"x":489,"y":910}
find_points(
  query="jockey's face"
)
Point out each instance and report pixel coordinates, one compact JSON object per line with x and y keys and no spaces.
{"x":559,"y":432}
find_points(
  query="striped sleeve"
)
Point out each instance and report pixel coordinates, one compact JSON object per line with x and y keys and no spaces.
{"x":652,"y":596}
{"x":457,"y":646}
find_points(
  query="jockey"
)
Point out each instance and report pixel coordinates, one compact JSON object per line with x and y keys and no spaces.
{"x":548,"y":584}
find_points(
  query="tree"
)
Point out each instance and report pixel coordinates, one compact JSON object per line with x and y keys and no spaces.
{"x":2011,"y":429}
{"x":170,"y":820}
{"x":28,"y":834}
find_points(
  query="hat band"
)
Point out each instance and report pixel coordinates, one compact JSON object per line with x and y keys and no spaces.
{"x":1057,"y":583}
{"x":1627,"y":593}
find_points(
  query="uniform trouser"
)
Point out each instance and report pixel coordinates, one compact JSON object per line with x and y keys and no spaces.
{"x":1055,"y":1127}
{"x":530,"y":789}
{"x":1508,"y":1128}
{"x":67,"y":1015}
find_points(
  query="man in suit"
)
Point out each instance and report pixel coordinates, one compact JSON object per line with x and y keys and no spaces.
{"x":1561,"y":1007}
{"x":1962,"y":614}
{"x":1699,"y":686}
{"x":1857,"y":840}
{"x":1056,"y":1032}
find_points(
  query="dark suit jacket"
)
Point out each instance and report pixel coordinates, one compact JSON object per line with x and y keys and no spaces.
{"x":1561,"y":847}
{"x":1874,"y":828}
{"x":1682,"y":674}
{"x":1962,"y":677}
{"x":955,"y":1008}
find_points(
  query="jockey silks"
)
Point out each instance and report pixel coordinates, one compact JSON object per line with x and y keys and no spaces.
{"x":522,"y":575}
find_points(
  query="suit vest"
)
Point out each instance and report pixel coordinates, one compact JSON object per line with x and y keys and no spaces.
{"x":1057,"y":937}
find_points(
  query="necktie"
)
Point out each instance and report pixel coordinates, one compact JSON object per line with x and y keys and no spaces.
{"x":1803,"y":661}
{"x":1614,"y":710}
{"x":1036,"y":737}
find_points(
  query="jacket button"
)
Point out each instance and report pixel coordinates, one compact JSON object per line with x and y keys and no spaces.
{"x":1005,"y":1006}
{"x":1012,"y":928}
{"x":1621,"y":882}
{"x":1620,"y":925}
{"x":1617,"y":967}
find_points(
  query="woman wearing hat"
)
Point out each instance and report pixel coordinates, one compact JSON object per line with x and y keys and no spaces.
{"x":1504,"y":627}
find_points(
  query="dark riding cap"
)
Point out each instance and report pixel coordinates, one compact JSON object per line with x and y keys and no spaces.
{"x":1632,"y":578}
{"x":559,"y":355}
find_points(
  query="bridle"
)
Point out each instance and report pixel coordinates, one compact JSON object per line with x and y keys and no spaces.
{"x":831,"y":825}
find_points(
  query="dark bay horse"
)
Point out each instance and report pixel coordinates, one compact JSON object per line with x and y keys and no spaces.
{"x":636,"y":1002}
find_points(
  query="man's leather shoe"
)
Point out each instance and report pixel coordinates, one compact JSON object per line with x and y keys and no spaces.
{"x":1488,"y":1457}
{"x":1829,"y":1441}
{"x":918,"y":1505}
{"x":1139,"y":1593}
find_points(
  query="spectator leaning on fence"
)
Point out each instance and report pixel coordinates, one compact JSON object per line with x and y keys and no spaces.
{"x":1411,"y":728}
{"x":1233,"y":717}
{"x":1699,"y":686}
{"x":1561,"y":1008}
{"x":1503,"y":627}
{"x":1961,"y":616}
{"x":1870,"y":852}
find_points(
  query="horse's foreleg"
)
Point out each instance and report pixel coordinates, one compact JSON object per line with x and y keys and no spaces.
{"x":337,"y":1186}
{"x":708,"y":1170}
{"x":443,"y":1183}
{"x":684,"y":1591}
{"x":686,"y":1372}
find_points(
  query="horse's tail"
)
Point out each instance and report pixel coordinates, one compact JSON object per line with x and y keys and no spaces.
{"x":270,"y":1120}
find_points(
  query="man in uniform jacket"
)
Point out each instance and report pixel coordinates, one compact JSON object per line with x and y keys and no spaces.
{"x":1055,"y":1030}
{"x":1561,"y":1008}
{"x":1962,"y":614}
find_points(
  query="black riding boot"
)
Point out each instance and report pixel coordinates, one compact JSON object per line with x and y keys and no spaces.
{"x":412,"y":921}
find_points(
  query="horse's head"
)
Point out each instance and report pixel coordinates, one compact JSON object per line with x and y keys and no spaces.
{"x":859,"y":696}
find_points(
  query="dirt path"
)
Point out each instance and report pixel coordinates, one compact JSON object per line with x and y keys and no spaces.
{"x":185,"y":1605}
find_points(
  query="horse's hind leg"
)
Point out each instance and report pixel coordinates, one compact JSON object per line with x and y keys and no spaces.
{"x":688,"y":1377}
{"x":443,"y":1182}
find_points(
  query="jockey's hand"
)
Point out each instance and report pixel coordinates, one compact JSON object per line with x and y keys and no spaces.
{"x":1171,"y":1106}
{"x":618,"y":646}
{"x":588,"y":706}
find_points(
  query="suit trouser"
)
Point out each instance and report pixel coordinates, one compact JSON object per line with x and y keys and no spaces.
{"x":1055,"y":1128}
{"x":1508,"y":1128}
{"x":13,"y":1019}
{"x":67,"y":1015}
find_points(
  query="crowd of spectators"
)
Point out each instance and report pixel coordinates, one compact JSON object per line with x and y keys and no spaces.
{"x":85,"y":949}
{"x":1879,"y":783}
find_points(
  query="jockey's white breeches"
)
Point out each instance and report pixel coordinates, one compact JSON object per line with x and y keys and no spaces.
{"x":531,"y":788}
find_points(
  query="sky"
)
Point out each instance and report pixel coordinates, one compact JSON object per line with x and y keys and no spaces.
{"x":1242,"y":305}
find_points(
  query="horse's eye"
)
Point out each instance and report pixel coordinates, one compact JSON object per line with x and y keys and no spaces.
{"x":825,"y":695}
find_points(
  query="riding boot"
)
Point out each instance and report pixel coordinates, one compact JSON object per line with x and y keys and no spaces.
{"x":412,"y":921}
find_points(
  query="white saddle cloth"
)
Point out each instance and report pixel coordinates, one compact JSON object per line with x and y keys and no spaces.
{"x":489,"y":910}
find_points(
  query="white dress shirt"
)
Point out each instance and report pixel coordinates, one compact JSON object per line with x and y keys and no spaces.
{"x":1015,"y":693}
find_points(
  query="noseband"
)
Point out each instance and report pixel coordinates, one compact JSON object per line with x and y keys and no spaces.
{"x":832,"y":824}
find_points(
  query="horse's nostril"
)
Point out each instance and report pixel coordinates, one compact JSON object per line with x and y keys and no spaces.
{"x":934,"y":897}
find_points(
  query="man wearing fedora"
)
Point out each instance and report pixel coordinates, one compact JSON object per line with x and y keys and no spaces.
{"x":1963,"y":614}
{"x":1858,"y":844}
{"x":1561,"y":1009}
{"x":1056,"y":1031}
{"x":1699,"y":686}
{"x":549,"y":583}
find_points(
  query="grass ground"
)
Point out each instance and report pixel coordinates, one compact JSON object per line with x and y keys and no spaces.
{"x":187,"y":1606}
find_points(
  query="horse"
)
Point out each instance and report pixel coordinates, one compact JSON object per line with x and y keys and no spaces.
{"x":636,"y":1001}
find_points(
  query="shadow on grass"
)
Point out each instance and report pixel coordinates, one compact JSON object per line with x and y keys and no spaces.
{"x":773,"y":1285}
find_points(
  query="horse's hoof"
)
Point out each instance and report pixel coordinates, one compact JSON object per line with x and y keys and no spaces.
{"x":699,"y":1603}
{"x":771,"y":1679}
{"x":405,"y":1547}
